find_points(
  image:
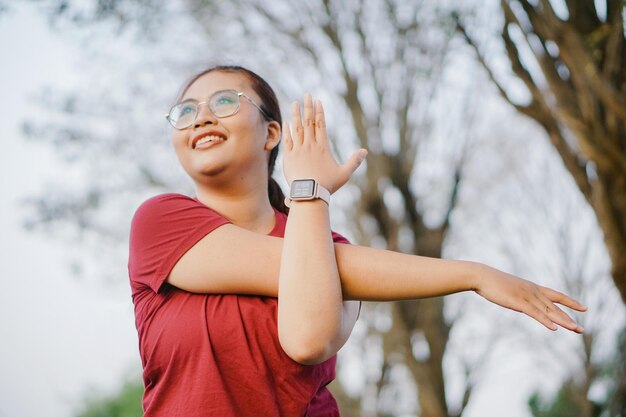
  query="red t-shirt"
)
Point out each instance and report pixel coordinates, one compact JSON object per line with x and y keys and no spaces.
{"x":211,"y":354}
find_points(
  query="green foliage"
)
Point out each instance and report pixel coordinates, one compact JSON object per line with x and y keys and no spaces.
{"x":570,"y":401}
{"x":125,"y":403}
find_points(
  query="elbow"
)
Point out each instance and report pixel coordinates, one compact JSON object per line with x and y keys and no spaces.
{"x":306,"y":352}
{"x":308,"y":356}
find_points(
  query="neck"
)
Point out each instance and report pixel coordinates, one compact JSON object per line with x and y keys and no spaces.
{"x":245,"y":206}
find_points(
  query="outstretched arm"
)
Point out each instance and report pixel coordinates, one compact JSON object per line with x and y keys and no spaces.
{"x":214,"y":265}
{"x":312,"y":277}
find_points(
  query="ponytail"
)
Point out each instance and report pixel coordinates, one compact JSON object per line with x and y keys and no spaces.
{"x":277,"y":198}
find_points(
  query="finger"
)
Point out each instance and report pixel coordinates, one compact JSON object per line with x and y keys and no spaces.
{"x":308,"y":120}
{"x":296,"y":121}
{"x":287,"y":136}
{"x":320,"y":124}
{"x":536,"y":313}
{"x":559,"y":297}
{"x":354,"y":162}
{"x":556,"y":314}
{"x":559,"y":317}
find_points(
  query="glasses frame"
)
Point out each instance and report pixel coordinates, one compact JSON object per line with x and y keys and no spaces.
{"x":198,"y":104}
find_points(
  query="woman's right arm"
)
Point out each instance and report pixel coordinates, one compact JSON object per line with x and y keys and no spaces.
{"x":233,"y":260}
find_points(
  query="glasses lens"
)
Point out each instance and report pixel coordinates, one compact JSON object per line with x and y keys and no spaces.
{"x":183,"y":114}
{"x":224,"y":103}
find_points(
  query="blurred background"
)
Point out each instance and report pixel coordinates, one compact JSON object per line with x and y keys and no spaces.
{"x":496,"y":131}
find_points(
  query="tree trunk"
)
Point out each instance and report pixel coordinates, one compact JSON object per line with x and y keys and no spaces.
{"x":580,"y":100}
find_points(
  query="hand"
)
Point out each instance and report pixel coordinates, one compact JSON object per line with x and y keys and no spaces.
{"x":307,"y":153}
{"x":524,"y":296}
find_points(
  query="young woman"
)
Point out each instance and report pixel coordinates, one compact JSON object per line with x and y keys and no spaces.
{"x":240,"y":309}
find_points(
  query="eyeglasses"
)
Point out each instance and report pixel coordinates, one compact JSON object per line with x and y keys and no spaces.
{"x":222,"y":103}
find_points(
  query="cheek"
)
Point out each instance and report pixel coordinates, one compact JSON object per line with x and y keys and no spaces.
{"x":177,"y":137}
{"x":179,"y":141}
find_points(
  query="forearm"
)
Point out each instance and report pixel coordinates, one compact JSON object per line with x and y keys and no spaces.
{"x":380,"y":275}
{"x":309,"y":291}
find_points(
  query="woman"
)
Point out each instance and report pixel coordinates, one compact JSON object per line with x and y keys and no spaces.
{"x":240,"y":310}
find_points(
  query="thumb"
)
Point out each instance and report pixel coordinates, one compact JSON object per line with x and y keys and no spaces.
{"x":354,"y":162}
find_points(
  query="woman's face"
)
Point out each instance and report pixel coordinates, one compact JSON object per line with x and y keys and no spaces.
{"x":240,"y":143}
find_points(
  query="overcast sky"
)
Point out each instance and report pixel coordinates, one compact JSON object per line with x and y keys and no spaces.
{"x":59,"y":335}
{"x":62,"y":337}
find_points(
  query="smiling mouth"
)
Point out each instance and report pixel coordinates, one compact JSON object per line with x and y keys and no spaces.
{"x":207,"y":141}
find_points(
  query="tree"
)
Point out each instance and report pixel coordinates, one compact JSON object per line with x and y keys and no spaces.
{"x":563,"y":405}
{"x":597,"y":357}
{"x":572,"y":397}
{"x":381,"y":63}
{"x":572,"y":61}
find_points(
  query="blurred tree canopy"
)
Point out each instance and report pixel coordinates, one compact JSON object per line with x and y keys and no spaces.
{"x":572,"y":398}
{"x":571,"y":57}
{"x":381,"y":64}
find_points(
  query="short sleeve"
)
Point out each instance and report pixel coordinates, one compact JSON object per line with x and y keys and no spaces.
{"x":162,"y":230}
{"x":337,"y":238}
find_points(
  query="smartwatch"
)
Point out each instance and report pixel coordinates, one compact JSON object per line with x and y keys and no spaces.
{"x":305,"y":190}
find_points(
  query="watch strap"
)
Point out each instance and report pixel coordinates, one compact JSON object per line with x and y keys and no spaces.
{"x":322,"y":193}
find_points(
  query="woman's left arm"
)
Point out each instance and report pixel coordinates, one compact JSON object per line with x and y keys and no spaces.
{"x":314,"y":321}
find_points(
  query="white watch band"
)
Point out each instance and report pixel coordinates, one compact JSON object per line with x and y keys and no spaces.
{"x":322,"y":193}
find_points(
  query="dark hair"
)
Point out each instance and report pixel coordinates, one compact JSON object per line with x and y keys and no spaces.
{"x":269,"y":104}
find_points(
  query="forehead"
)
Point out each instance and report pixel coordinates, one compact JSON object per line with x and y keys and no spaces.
{"x":215,"y":81}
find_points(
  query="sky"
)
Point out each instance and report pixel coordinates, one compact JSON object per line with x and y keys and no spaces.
{"x":62,"y":337}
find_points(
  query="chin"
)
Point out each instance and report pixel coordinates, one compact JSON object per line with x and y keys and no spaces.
{"x":202,"y":173}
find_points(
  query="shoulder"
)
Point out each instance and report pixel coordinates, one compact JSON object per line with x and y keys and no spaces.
{"x":164,"y":204}
{"x":162,"y":229}
{"x":174,"y":211}
{"x":166,"y":200}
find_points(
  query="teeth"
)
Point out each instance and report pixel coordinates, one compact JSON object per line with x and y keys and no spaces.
{"x":209,"y":139}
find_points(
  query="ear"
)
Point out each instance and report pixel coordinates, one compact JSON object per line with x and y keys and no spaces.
{"x":273,"y":135}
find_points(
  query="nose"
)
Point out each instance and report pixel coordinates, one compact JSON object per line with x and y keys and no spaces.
{"x":205,"y":116}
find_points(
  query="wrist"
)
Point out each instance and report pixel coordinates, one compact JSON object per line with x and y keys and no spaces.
{"x":477,"y":274}
{"x":305,"y":203}
{"x":307,"y":189}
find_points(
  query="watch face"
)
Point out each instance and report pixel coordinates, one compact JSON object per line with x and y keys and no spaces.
{"x":302,"y":188}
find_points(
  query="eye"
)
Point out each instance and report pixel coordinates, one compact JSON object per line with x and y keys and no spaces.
{"x":186,"y":108}
{"x":225,"y":99}
{"x":184,"y":113}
